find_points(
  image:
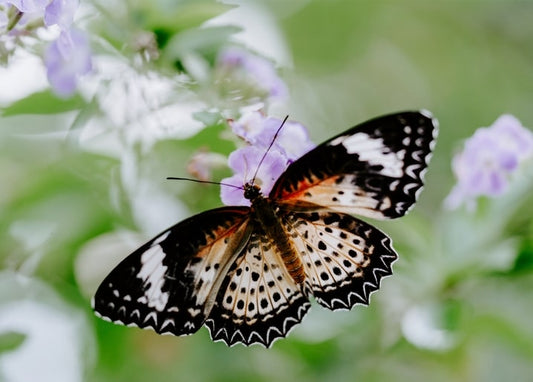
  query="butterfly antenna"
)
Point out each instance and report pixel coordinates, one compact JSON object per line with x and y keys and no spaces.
{"x":268,"y":148}
{"x":205,"y":182}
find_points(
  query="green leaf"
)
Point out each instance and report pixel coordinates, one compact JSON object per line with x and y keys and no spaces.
{"x":204,"y":40}
{"x":84,"y":116}
{"x":9,"y":341}
{"x":45,"y":102}
{"x":524,"y":260}
{"x":179,"y":16}
{"x":208,"y":118}
{"x":212,"y":137}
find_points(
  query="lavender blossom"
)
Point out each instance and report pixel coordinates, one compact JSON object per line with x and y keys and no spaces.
{"x":29,"y":6}
{"x":67,"y":58}
{"x":258,"y":130}
{"x":244,"y":162}
{"x":61,"y":13}
{"x":514,"y":136}
{"x":246,"y":67}
{"x":488,"y":159}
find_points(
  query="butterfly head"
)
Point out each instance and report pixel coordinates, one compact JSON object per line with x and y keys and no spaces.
{"x":252,"y":191}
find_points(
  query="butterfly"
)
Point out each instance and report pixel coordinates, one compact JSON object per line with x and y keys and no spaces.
{"x":248,"y":273}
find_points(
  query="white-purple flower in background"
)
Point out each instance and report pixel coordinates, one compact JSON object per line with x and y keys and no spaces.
{"x":66,"y":59}
{"x":55,"y":12}
{"x":61,"y":12}
{"x":489,"y":157}
{"x":29,"y":6}
{"x":513,"y":136}
{"x":15,"y":22}
{"x":203,"y":162}
{"x":259,"y":131}
{"x":243,"y":66}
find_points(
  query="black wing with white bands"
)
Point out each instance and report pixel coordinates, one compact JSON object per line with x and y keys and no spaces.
{"x":375,"y":169}
{"x":170,"y":283}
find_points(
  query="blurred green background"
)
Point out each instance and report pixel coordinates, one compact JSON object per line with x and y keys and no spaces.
{"x":458,"y":307}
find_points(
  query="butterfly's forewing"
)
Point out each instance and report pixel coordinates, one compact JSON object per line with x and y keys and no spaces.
{"x":375,"y":169}
{"x":260,"y":301}
{"x":170,"y":283}
{"x":344,"y":257}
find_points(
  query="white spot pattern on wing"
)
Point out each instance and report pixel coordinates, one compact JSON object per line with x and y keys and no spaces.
{"x":153,"y":275}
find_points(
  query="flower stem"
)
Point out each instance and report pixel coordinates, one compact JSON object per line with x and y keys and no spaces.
{"x":14,"y":20}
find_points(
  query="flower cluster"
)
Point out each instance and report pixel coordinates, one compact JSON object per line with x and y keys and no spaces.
{"x":66,"y":58}
{"x":259,"y":132}
{"x":489,"y":157}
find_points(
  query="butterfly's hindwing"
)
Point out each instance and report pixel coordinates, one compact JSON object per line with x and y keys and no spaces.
{"x":375,"y":169}
{"x":169,"y":283}
{"x":344,"y":257}
{"x":260,"y":302}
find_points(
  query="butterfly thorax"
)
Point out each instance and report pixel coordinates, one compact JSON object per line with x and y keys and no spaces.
{"x":264,"y":214}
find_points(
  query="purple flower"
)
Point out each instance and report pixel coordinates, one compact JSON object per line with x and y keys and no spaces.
{"x":513,"y":136}
{"x":61,"y":12}
{"x":249,"y":68}
{"x":67,"y":58}
{"x":245,"y":162}
{"x":489,"y":157}
{"x":29,"y":6}
{"x":258,"y":130}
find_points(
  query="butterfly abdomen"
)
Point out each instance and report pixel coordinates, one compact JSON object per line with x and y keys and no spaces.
{"x":277,"y":235}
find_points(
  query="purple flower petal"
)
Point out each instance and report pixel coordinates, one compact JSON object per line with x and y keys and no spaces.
{"x":231,"y":196}
{"x":497,"y":184}
{"x":249,"y":126}
{"x":60,"y":12}
{"x":489,"y":157}
{"x":67,"y":58}
{"x":29,"y":6}
{"x":255,"y":69}
{"x":259,"y":131}
{"x":293,"y":140}
{"x":245,"y":162}
{"x":513,"y":135}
